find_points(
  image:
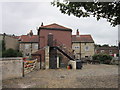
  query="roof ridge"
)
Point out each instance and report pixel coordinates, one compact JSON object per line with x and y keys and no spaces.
{"x":54,"y":24}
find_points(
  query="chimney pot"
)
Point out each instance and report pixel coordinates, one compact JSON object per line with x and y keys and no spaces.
{"x":77,"y":33}
{"x":42,"y":24}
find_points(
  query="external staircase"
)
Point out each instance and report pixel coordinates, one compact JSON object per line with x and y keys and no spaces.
{"x":68,"y":52}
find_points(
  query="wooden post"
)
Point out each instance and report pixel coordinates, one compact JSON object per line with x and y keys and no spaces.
{"x":23,"y":69}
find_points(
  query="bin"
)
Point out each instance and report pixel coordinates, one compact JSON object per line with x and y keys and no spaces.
{"x":78,"y":64}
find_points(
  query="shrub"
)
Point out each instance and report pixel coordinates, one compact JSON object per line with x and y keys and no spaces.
{"x":11,"y":53}
{"x":103,"y":58}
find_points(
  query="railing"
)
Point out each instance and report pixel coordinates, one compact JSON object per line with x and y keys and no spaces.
{"x":67,"y":50}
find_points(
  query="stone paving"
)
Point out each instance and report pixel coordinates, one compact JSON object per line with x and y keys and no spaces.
{"x":91,"y":76}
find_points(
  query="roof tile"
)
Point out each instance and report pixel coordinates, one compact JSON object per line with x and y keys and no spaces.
{"x":82,"y":38}
{"x":27,"y":38}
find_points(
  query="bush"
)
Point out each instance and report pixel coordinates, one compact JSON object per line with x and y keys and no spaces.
{"x":11,"y":53}
{"x":103,"y":58}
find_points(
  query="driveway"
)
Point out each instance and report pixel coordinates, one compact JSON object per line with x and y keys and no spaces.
{"x":91,"y":76}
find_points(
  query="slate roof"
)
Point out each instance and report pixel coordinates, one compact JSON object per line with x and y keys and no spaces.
{"x":82,"y":38}
{"x":27,"y":38}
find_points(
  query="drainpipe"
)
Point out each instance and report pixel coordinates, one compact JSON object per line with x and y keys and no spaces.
{"x":80,"y":50}
{"x":31,"y":49}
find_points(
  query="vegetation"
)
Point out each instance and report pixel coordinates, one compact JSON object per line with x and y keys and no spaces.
{"x":103,"y":58}
{"x":11,"y":53}
{"x":107,"y":10}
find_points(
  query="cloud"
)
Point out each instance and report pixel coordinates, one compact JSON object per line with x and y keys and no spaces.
{"x":19,"y":18}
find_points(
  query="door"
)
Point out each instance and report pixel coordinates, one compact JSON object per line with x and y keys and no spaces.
{"x":53,"y":58}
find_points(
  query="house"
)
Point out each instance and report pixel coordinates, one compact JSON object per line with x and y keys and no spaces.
{"x":54,"y":34}
{"x":83,"y":45}
{"x":55,"y":39}
{"x":10,"y":41}
{"x":28,"y":44}
{"x":110,"y":50}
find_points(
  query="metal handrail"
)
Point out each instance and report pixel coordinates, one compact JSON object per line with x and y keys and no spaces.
{"x":67,"y":50}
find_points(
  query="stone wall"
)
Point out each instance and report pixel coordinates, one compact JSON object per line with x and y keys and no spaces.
{"x":28,"y":48}
{"x":47,"y":57}
{"x":11,"y":68}
{"x":73,"y":63}
{"x":83,"y":49}
{"x":87,"y":49}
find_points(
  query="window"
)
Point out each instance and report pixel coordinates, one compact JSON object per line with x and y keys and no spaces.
{"x":27,"y":46}
{"x":110,"y":51}
{"x":27,"y":54}
{"x":86,"y":48}
{"x":76,"y":47}
{"x":102,"y":51}
{"x":36,"y":46}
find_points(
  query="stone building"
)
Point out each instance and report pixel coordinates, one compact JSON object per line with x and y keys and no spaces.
{"x":10,"y":41}
{"x":28,"y":44}
{"x":83,"y":45}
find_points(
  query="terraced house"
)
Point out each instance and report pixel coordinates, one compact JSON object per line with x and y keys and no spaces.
{"x":83,"y":46}
{"x":28,"y":44}
{"x":60,"y":39}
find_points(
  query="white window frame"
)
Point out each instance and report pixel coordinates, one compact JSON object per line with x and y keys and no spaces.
{"x":36,"y":46}
{"x":27,"y":46}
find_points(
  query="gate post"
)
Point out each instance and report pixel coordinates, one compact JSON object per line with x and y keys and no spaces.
{"x":47,"y":57}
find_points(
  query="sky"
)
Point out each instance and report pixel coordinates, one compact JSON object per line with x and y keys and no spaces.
{"x":20,"y":17}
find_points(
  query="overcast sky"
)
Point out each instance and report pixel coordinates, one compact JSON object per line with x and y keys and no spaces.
{"x":20,"y":18}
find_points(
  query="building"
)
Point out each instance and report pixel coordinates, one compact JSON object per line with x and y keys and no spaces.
{"x":113,"y":50}
{"x":28,"y":44}
{"x":83,"y":45}
{"x":55,"y":34}
{"x":10,"y":41}
{"x":60,"y":33}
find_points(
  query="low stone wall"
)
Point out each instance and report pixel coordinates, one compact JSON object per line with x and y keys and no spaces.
{"x":11,"y":68}
{"x":73,"y":63}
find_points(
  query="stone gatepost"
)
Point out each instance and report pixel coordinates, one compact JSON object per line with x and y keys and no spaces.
{"x":47,"y":57}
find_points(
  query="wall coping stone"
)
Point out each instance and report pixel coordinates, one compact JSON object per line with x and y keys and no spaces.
{"x":11,"y":58}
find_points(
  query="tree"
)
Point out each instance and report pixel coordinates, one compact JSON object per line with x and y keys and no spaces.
{"x":3,"y":45}
{"x":11,"y":53}
{"x":108,"y":10}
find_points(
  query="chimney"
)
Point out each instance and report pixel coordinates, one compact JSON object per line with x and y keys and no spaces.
{"x":30,"y":33}
{"x":42,"y":24}
{"x":77,"y":33}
